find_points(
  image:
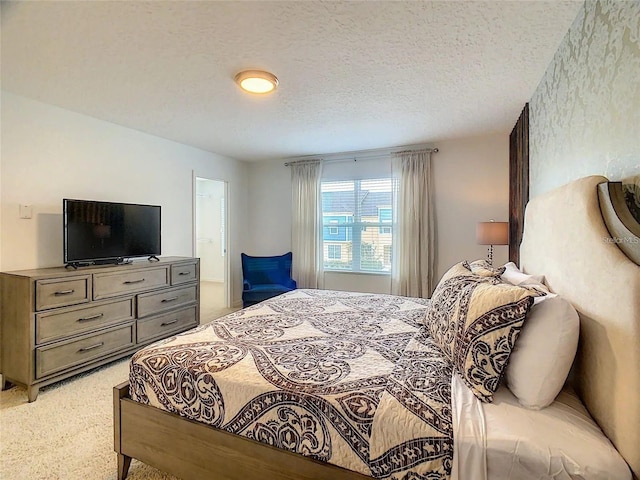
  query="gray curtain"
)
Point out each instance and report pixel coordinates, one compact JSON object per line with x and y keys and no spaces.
{"x":414,"y":241}
{"x":306,"y":224}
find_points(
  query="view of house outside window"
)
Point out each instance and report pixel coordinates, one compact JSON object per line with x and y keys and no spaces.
{"x":357,"y":225}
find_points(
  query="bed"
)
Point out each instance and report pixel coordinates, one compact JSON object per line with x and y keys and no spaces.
{"x":336,"y":368}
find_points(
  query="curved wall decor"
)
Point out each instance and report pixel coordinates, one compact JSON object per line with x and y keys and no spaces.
{"x":620,"y":207}
{"x":631,"y":189}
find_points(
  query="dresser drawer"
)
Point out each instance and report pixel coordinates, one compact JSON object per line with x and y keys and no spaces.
{"x":152,"y":302}
{"x":75,"y":320}
{"x":183,"y":273}
{"x":107,"y":285}
{"x":163,"y":325}
{"x":60,"y":292}
{"x":63,"y":355}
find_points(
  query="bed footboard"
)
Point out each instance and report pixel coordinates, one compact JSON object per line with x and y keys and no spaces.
{"x":119,"y":392}
{"x":191,"y":450}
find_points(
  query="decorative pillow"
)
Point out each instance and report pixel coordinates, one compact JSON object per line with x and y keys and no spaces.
{"x":440,"y":320}
{"x":484,"y":268}
{"x":476,"y":320}
{"x":542,"y":358}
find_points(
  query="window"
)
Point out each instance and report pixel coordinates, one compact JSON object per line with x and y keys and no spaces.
{"x":334,"y":252}
{"x":384,"y":216}
{"x":387,"y":255}
{"x":348,"y":209}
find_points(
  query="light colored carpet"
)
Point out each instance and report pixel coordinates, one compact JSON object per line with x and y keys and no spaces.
{"x":212,"y":300}
{"x":67,"y":433}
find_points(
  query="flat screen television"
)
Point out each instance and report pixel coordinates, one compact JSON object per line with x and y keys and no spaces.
{"x":108,"y":232}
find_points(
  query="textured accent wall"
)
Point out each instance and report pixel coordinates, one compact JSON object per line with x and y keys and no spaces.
{"x":585,"y":113}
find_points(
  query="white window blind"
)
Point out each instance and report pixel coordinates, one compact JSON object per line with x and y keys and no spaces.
{"x":357,"y":220}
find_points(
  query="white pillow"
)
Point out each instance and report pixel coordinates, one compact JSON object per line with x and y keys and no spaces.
{"x":514,"y":276}
{"x":543,"y":354}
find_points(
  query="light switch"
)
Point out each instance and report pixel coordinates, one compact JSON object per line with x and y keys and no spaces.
{"x":26,"y":211}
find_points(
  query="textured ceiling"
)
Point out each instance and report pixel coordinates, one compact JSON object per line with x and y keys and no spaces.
{"x":353,"y":75}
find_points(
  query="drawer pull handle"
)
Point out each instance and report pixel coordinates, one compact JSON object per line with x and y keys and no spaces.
{"x":184,"y":273}
{"x":63,"y":292}
{"x":92,"y":317}
{"x":86,"y":349}
{"x":167,"y":300}
{"x":164,"y":324}
{"x":130,"y":282}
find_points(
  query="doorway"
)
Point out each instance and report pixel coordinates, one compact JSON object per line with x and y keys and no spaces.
{"x":211,"y":238}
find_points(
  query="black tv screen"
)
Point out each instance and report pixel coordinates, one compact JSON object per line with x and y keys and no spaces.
{"x":107,"y":231}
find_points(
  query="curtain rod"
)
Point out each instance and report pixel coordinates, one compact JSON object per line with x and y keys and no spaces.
{"x":355,"y":158}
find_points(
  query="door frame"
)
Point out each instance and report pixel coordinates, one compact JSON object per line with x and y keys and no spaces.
{"x":194,"y":249}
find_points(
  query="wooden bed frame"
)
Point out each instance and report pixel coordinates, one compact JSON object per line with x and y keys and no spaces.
{"x":594,"y":275}
{"x":192,"y":450}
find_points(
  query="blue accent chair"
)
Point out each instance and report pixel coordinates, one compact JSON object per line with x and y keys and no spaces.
{"x":265,"y":277}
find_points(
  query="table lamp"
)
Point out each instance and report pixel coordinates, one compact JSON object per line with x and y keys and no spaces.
{"x":492,"y":233}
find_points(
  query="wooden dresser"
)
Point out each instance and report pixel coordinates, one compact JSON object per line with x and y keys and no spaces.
{"x":58,"y":322}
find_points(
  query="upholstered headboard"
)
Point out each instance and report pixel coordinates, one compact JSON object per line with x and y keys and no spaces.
{"x":566,"y":239}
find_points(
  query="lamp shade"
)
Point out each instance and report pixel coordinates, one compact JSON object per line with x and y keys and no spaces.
{"x":492,"y":233}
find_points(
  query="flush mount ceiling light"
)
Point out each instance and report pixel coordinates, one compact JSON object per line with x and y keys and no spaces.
{"x":256,"y":81}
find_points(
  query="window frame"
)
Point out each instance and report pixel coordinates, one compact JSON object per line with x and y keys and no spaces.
{"x":355,"y":227}
{"x":334,"y":251}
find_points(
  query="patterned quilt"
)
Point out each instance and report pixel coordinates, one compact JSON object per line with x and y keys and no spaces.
{"x":346,"y":378}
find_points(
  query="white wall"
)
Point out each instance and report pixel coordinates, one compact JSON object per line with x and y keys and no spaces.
{"x":471,"y":177}
{"x":269,"y":208}
{"x":471,"y":181}
{"x":357,"y":282}
{"x":49,"y":153}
